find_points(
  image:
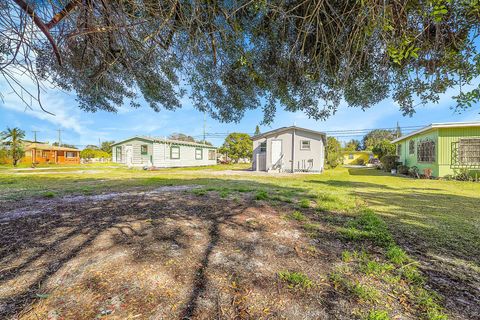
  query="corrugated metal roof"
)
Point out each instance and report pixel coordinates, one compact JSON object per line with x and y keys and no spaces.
{"x":163,"y":140}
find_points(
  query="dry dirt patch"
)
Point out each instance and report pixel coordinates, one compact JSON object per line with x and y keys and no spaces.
{"x":161,"y":255}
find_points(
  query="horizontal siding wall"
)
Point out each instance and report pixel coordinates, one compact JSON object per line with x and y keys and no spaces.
{"x":161,"y":156}
{"x":448,"y":136}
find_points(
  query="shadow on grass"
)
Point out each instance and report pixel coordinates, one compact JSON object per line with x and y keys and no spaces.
{"x":36,"y":247}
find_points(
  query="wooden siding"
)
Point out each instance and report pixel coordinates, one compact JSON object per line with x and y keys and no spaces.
{"x":410,"y":160}
{"x":158,"y":154}
{"x":444,"y":139}
{"x":161,"y":156}
{"x":447,"y":137}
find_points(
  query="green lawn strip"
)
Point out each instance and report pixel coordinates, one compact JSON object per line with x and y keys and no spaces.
{"x":368,"y":226}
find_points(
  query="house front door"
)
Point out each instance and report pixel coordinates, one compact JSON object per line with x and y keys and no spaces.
{"x":128,"y":155}
{"x":276,"y":152}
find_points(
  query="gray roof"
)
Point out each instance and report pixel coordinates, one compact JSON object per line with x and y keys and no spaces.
{"x":437,"y":126}
{"x":282,"y":129}
{"x":164,"y":140}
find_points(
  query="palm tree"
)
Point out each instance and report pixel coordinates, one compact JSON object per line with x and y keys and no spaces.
{"x":13,"y":138}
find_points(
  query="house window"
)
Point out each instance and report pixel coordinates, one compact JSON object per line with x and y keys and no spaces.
{"x":198,"y":153}
{"x":350,"y":156}
{"x":119,"y":153}
{"x":174,"y":152}
{"x":399,"y":149}
{"x":469,"y":151}
{"x":211,"y":155}
{"x":411,"y":147}
{"x":70,"y":154}
{"x":426,"y":151}
{"x":38,"y":154}
{"x":305,"y":145}
{"x":144,"y":149}
{"x":263,"y":146}
{"x":44,"y":154}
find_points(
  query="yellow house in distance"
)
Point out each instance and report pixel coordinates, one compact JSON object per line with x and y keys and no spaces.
{"x":357,"y":157}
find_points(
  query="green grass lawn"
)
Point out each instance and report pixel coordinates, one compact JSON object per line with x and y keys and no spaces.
{"x":442,"y":215}
{"x":437,"y":222}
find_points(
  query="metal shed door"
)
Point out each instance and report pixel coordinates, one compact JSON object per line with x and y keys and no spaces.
{"x":276,"y":151}
{"x":128,"y":155}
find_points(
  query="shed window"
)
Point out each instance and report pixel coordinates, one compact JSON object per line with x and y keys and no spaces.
{"x":198,"y":153}
{"x":174,"y":152}
{"x":144,"y":149}
{"x":411,"y":147}
{"x":426,"y":151}
{"x":119,"y":153}
{"x":399,"y":149}
{"x":70,"y":154}
{"x":469,"y":151}
{"x":305,"y":145}
{"x":263,"y":147}
{"x":211,"y":155}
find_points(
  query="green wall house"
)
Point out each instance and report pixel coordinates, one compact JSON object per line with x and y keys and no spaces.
{"x":445,"y":148}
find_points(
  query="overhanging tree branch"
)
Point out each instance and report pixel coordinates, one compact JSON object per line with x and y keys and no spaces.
{"x":39,"y":23}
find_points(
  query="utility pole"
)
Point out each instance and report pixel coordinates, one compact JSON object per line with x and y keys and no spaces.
{"x":59,"y":137}
{"x":35,"y":135}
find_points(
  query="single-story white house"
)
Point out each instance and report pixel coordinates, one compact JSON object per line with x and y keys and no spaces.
{"x":289,"y":149}
{"x":140,"y":151}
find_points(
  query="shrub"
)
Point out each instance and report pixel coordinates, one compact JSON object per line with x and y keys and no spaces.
{"x":427,"y":173}
{"x":389,"y":162}
{"x":261,"y":195}
{"x":396,"y":255}
{"x":402,"y":169}
{"x":414,"y":172}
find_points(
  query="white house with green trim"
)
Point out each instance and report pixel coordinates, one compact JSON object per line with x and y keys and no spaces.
{"x":140,"y":151}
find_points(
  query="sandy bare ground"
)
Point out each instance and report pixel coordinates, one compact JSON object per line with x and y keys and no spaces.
{"x":160,"y":255}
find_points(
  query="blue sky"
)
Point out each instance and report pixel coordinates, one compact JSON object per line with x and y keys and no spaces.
{"x":82,"y":128}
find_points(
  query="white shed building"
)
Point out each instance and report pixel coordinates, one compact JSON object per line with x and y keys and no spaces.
{"x":141,"y":151}
{"x":289,"y":149}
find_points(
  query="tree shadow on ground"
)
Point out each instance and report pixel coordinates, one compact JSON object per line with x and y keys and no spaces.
{"x":37,"y":247}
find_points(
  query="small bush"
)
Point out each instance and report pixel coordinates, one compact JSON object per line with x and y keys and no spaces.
{"x":49,"y":194}
{"x":397,"y":255}
{"x":261,"y":195}
{"x":295,"y":279}
{"x":403,"y":169}
{"x":389,"y":162}
{"x":427,"y":173}
{"x":304,"y":203}
{"x":297,"y":215}
{"x":347,"y":256}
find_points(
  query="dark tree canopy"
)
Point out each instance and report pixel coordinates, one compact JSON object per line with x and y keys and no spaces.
{"x":237,"y":55}
{"x":374,"y":137}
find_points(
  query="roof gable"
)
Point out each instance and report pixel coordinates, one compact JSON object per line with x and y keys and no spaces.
{"x":283,"y":129}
